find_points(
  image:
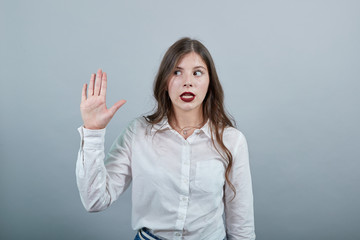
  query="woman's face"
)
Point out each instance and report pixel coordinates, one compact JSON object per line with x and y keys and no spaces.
{"x":188,"y":85}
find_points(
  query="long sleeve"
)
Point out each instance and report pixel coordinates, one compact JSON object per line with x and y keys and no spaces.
{"x":239,"y":212}
{"x":100,"y":181}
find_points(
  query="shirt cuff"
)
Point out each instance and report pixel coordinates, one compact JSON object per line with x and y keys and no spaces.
{"x":92,"y":138}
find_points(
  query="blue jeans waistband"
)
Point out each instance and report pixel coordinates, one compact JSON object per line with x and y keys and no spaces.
{"x":144,"y":234}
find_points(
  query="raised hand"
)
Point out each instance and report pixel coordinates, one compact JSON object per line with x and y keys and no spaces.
{"x":93,"y":108}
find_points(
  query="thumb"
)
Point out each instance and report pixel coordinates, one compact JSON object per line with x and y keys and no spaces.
{"x":116,"y":106}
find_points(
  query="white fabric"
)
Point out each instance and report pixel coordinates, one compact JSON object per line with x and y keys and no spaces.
{"x":178,"y":186}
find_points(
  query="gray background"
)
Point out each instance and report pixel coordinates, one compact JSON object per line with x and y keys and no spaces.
{"x":290,"y":71}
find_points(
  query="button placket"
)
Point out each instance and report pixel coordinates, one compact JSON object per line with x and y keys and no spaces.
{"x":185,"y":168}
{"x":184,"y":183}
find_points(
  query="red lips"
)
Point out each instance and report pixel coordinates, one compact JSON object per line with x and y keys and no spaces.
{"x":187,"y":96}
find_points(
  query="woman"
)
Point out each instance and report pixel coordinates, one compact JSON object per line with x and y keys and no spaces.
{"x":187,"y":163}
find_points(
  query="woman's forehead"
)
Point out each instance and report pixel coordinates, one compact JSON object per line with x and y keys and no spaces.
{"x":191,"y":59}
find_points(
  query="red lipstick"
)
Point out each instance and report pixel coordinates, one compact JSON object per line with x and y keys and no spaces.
{"x":187,"y":96}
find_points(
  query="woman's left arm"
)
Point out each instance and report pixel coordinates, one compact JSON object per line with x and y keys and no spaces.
{"x":239,"y":210}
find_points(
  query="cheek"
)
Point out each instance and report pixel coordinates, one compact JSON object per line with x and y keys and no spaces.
{"x":205,"y":87}
{"x":174,"y":84}
{"x":171,"y":88}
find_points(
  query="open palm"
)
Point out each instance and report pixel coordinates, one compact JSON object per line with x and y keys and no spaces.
{"x":93,"y":108}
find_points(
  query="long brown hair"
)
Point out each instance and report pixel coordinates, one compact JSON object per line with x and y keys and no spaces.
{"x":213,"y":104}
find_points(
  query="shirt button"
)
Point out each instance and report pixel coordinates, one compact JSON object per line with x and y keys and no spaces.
{"x":184,"y":198}
{"x":177,"y":234}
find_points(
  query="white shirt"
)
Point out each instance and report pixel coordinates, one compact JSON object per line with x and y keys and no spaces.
{"x":178,"y":185}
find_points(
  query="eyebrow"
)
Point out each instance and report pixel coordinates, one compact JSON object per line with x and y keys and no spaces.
{"x":177,"y":67}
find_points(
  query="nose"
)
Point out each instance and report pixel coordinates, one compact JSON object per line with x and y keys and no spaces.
{"x":188,"y":81}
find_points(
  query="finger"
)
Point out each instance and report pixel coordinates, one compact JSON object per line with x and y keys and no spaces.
{"x":91,"y":85}
{"x":116,"y":106}
{"x":98,"y":83}
{"x":103,"y":85}
{"x":83,"y":95}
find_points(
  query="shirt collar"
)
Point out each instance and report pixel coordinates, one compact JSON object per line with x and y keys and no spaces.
{"x":164,"y":124}
{"x":206,"y":129}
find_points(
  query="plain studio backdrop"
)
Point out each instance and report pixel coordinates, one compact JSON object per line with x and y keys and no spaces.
{"x":291,"y":76}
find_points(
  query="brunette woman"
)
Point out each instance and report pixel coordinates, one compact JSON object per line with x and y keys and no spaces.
{"x":187,"y":163}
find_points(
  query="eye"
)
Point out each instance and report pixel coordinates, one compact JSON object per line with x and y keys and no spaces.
{"x":198,"y":73}
{"x":177,"y":72}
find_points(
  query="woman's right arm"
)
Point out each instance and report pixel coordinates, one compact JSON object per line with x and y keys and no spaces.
{"x":100,"y":183}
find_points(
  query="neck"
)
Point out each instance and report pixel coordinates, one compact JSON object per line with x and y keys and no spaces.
{"x":187,"y":119}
